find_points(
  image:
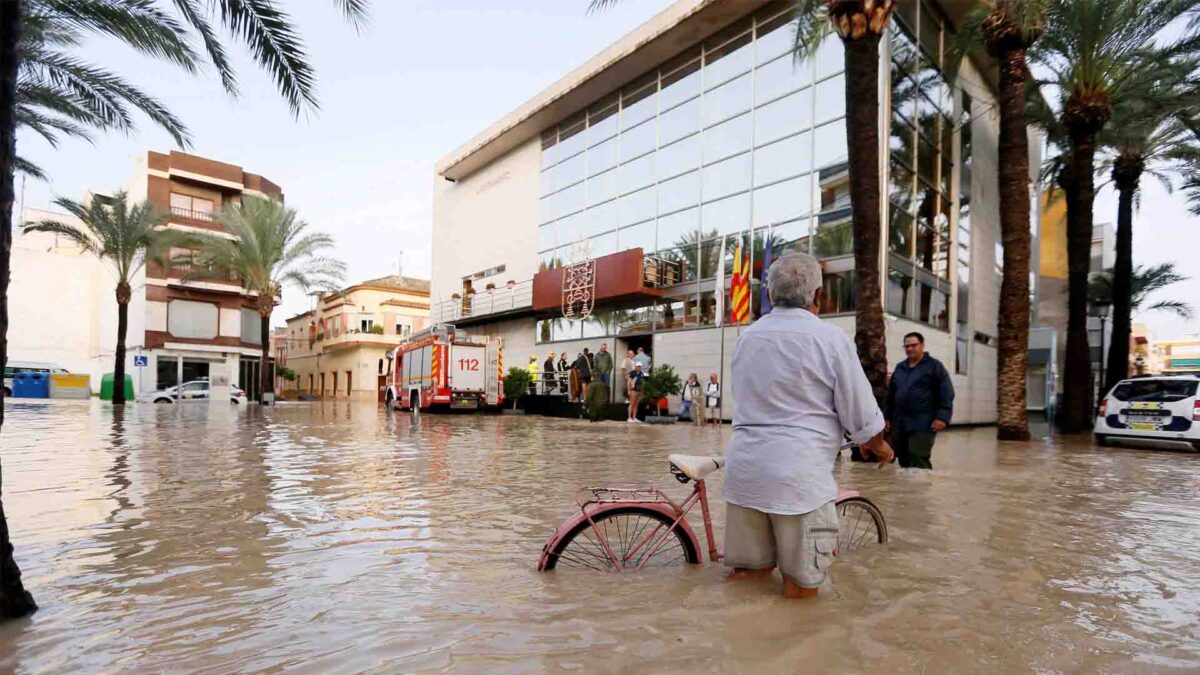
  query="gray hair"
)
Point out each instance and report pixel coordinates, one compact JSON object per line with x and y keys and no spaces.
{"x":793,"y":280}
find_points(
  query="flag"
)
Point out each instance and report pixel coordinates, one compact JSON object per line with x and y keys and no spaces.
{"x":720,"y":290}
{"x":765,"y":308}
{"x":739,"y":288}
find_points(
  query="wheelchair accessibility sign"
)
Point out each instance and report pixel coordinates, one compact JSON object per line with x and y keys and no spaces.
{"x":141,"y":361}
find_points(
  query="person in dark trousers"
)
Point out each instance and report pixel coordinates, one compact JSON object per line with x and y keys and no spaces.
{"x":583,"y":366}
{"x":920,"y":403}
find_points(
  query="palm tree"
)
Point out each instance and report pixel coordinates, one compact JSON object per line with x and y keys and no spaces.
{"x":1008,"y":29}
{"x":1154,"y":142}
{"x":126,"y":236}
{"x":264,"y":29}
{"x":1098,"y":53}
{"x":272,"y":248}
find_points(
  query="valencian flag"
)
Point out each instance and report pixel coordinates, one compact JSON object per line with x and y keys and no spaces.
{"x":739,"y":287}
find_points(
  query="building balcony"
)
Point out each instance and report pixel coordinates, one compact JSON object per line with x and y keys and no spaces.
{"x":494,"y":303}
{"x":356,"y":338}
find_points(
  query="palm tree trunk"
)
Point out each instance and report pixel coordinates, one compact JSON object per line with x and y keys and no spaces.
{"x":1126,"y":176}
{"x":268,"y":381}
{"x":1077,"y":378}
{"x":1014,"y":229}
{"x":862,"y":136}
{"x":15,"y":601}
{"x":123,"y":296}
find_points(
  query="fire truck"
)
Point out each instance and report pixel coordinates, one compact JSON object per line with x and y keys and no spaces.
{"x":442,"y":367}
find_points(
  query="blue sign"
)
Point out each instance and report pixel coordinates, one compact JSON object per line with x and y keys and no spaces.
{"x":141,"y":361}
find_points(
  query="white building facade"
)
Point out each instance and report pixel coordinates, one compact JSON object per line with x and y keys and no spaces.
{"x":699,"y":129}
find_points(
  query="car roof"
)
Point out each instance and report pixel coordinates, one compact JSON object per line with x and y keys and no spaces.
{"x":1186,"y":378}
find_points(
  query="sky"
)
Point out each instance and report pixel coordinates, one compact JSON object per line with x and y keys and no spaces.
{"x":420,"y":79}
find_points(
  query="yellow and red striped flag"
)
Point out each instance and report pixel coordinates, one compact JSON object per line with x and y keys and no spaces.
{"x":739,"y":288}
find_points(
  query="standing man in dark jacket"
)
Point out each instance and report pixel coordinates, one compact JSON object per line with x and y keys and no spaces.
{"x":920,"y":403}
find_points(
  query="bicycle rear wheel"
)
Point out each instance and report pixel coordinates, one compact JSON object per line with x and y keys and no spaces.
{"x":624,"y":529}
{"x":860,"y":524}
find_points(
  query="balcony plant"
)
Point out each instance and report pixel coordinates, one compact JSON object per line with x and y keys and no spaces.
{"x":376,"y":330}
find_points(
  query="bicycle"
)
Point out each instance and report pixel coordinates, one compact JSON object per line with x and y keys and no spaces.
{"x":631,"y":527}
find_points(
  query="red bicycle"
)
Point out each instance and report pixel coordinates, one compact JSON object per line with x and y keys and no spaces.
{"x":631,"y":527}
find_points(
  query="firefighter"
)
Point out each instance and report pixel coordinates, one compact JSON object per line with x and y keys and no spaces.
{"x":533,"y":368}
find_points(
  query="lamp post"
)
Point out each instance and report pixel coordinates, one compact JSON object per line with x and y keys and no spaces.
{"x":1099,"y":309}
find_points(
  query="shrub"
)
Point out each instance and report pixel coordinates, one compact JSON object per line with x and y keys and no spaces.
{"x":661,"y":383}
{"x":516,"y":384}
{"x":377,"y":330}
{"x":287,"y":374}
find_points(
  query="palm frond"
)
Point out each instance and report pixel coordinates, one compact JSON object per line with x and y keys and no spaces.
{"x":268,"y":33}
{"x":30,"y":169}
{"x":137,"y":23}
{"x":193,"y":14}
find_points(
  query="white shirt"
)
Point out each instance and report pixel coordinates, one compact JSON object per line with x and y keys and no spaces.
{"x":799,"y":387}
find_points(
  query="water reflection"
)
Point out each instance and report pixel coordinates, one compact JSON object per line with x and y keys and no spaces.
{"x":341,"y":537}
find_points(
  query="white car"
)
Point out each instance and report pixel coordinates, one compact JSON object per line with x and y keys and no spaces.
{"x":1151,"y":411}
{"x":196,"y":390}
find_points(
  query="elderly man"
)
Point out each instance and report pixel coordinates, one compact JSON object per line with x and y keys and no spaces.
{"x":800,"y":389}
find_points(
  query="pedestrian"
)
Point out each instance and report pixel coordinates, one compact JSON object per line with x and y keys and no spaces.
{"x":920,"y":403}
{"x":634,"y":386}
{"x":789,"y":423}
{"x":712,"y":400}
{"x":626,"y":371}
{"x":604,"y":366}
{"x":644,"y":359}
{"x":583,"y":366}
{"x":693,"y":400}
{"x":564,"y":375}
{"x":533,"y":368}
{"x":548,"y":376}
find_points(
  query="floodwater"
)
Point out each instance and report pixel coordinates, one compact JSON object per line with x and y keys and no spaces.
{"x":338,"y":537}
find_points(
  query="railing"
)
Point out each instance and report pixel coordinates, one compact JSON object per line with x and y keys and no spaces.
{"x":205,"y":216}
{"x":658,"y":272}
{"x":484,"y":303}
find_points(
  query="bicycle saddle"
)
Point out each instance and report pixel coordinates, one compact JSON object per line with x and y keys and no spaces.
{"x":695,"y":467}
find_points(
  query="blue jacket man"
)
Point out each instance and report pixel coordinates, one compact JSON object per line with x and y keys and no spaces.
{"x":920,"y":403}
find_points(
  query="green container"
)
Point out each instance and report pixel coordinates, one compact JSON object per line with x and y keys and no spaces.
{"x":106,"y":387}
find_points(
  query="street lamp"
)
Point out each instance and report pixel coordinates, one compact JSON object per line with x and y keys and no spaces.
{"x":1099,"y":308}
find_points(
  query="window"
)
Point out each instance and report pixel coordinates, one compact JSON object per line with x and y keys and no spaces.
{"x":403,"y":329}
{"x":1156,"y":391}
{"x":366,"y":325}
{"x":191,"y":207}
{"x":187,"y":319}
{"x":251,"y":327}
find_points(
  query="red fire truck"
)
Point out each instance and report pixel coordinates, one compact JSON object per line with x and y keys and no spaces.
{"x":442,"y":367}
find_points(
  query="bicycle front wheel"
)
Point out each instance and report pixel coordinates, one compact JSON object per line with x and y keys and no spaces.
{"x":638,"y":537}
{"x":860,"y":523}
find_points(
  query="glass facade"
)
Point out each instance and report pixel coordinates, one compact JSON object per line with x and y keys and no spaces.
{"x":736,"y":138}
{"x":921,"y":168}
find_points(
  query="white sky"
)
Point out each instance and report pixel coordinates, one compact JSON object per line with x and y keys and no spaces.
{"x":424,"y":77}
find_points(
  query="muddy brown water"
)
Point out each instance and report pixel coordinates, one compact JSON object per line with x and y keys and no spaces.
{"x":338,"y":537}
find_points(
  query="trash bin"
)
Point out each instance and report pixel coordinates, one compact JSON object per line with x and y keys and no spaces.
{"x":106,"y":387}
{"x":69,"y":385}
{"x":31,"y":385}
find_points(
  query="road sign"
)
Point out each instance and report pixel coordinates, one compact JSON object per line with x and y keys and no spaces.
{"x":141,"y":361}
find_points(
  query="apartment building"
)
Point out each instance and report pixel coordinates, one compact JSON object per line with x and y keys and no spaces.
{"x":338,"y":348}
{"x":190,"y":327}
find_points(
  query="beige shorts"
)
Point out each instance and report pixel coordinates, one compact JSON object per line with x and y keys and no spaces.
{"x":802,"y":546}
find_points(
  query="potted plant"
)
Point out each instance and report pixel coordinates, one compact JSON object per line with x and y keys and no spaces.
{"x":509,"y":284}
{"x":490,"y":287}
{"x":377,"y":329}
{"x":455,"y":296}
{"x":516,"y":384}
{"x":661,"y":383}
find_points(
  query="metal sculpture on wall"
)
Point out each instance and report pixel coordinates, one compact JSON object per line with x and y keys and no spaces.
{"x":579,"y":290}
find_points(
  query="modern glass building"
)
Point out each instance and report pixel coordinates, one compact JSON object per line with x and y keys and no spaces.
{"x":682,"y":147}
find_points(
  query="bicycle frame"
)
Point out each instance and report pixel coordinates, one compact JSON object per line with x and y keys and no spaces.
{"x":605,"y":499}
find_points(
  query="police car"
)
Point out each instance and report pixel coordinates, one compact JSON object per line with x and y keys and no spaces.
{"x":1162,"y":411}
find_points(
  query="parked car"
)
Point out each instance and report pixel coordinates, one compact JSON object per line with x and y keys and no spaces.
{"x":1151,"y":411}
{"x":195,"y":390}
{"x":15,"y":367}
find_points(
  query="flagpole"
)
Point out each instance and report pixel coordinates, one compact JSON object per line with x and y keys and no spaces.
{"x":719,"y":296}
